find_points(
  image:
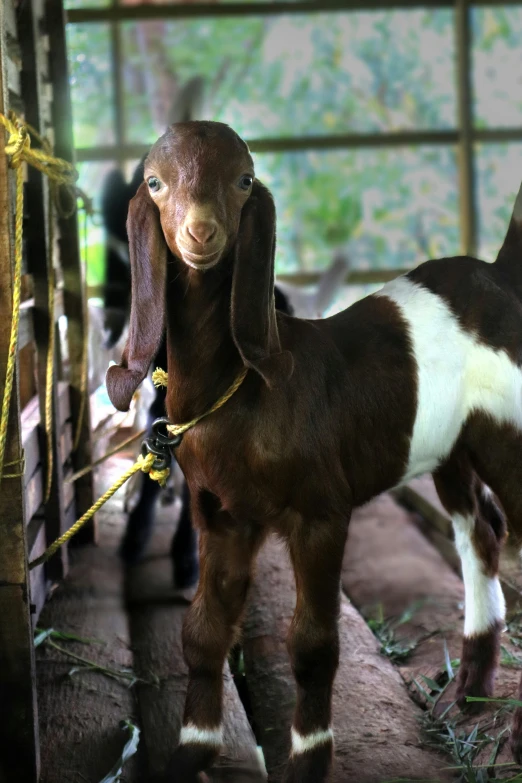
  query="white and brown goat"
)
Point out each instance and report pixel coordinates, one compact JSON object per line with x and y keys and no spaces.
{"x":423,"y":376}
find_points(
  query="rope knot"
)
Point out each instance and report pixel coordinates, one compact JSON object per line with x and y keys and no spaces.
{"x":18,"y":145}
{"x":146,"y":465}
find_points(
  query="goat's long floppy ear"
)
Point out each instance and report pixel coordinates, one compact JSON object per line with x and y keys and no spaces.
{"x":148,"y":258}
{"x":254,"y":325}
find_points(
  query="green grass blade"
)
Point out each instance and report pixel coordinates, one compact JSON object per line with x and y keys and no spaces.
{"x":130,"y":748}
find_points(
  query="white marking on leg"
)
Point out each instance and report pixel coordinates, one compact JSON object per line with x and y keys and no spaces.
{"x":190,"y":734}
{"x":485,"y":604}
{"x":301,"y":743}
{"x":456,"y":375}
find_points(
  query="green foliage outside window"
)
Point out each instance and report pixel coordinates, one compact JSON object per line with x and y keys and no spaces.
{"x":319,"y":74}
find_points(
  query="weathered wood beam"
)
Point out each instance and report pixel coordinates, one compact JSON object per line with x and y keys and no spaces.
{"x":40,"y":265}
{"x":19,"y":750}
{"x":75,"y":304}
{"x":280,"y":8}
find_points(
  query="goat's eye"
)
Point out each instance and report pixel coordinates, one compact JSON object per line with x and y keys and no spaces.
{"x":246,"y":181}
{"x":154,"y":184}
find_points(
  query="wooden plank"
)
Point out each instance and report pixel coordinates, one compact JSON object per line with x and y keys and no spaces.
{"x":26,"y":362}
{"x":13,"y":76}
{"x":66,"y":442}
{"x":389,"y":564}
{"x":26,"y":317}
{"x":64,"y":403}
{"x":228,"y":9}
{"x":9,"y":20}
{"x":34,"y":490}
{"x":40,"y":266}
{"x":68,"y":492}
{"x":30,"y":421}
{"x":468,"y":211}
{"x":37,"y":578}
{"x":19,"y":752}
{"x":303,"y":143}
{"x":375,"y":722}
{"x":80,"y":715}
{"x":26,"y":333}
{"x":75,"y":305}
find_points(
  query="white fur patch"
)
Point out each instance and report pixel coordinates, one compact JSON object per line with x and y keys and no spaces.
{"x":485,"y":603}
{"x":190,"y":734}
{"x":456,"y":375}
{"x":303,"y":743}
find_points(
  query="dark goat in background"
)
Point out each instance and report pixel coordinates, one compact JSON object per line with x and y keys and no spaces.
{"x":423,"y":375}
{"x":116,"y":196}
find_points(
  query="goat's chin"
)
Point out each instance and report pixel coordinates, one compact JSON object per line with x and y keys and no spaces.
{"x":201,"y":262}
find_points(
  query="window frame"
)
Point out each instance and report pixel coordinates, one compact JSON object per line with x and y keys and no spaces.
{"x":464,"y":137}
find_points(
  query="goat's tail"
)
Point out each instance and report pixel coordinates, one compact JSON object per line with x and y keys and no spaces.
{"x":511,"y":251}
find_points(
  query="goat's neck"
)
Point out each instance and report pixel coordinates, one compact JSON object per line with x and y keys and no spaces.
{"x":203,"y":359}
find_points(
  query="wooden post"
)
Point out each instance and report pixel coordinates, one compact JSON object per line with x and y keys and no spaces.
{"x":19,"y":758}
{"x":75,"y":300}
{"x":468,"y":212}
{"x":40,"y":265}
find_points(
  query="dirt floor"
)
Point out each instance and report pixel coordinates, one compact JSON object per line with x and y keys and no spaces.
{"x":400,"y":624}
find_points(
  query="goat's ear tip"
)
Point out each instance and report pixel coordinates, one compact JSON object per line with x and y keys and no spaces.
{"x":276,"y":369}
{"x":121,"y":384}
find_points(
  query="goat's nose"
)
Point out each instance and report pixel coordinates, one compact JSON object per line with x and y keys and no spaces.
{"x":202,"y":230}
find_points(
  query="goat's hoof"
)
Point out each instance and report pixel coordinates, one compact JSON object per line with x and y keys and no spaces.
{"x":474,"y":682}
{"x":478,"y":666}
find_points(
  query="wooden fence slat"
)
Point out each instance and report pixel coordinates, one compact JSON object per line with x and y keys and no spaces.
{"x":19,"y":755}
{"x":41,"y":267}
{"x":74,"y":283}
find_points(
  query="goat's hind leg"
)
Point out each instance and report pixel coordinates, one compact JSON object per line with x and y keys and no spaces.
{"x":313,"y":643}
{"x":210,"y":629}
{"x":479,"y":529}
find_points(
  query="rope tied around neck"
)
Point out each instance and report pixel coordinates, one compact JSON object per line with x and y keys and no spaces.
{"x":160,"y":378}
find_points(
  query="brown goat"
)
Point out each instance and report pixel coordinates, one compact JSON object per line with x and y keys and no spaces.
{"x":422,"y":376}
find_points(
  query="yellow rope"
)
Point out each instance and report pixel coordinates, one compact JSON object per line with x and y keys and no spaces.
{"x":62,"y":174}
{"x":111,"y":453}
{"x":142,"y":463}
{"x":160,"y":378}
{"x":15,"y":323}
{"x":49,"y":369}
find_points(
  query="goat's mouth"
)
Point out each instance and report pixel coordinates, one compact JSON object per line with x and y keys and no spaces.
{"x":200,"y":261}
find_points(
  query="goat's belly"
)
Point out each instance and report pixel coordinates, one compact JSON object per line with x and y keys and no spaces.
{"x":456,"y":375}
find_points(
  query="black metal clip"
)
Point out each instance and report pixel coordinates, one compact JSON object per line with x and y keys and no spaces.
{"x":160,"y":444}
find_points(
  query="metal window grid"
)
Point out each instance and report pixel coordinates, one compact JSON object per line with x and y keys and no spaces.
{"x":464,"y":136}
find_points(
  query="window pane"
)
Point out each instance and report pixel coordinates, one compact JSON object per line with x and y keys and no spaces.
{"x":87,"y":3}
{"x":91,"y":84}
{"x":388,"y":208}
{"x":497,"y":66}
{"x":499,"y":173}
{"x":295,"y":75}
{"x":348,"y":295}
{"x":92,"y":235}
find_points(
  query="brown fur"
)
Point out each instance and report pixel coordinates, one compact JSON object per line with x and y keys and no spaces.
{"x":321,"y":423}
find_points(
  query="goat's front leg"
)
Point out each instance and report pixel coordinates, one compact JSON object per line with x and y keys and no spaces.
{"x":313,"y":643}
{"x":209,"y":631}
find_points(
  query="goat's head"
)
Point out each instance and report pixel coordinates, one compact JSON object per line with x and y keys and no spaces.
{"x":199,"y":175}
{"x":200,"y":201}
